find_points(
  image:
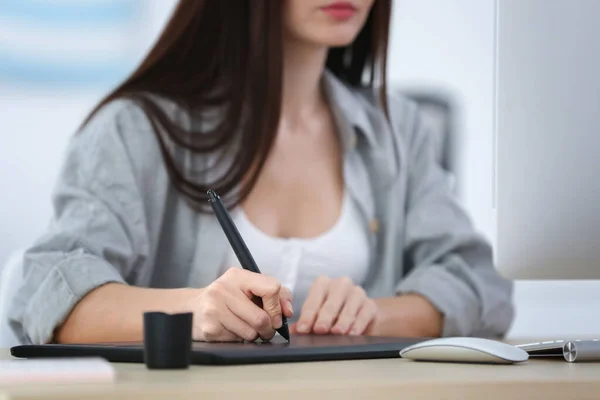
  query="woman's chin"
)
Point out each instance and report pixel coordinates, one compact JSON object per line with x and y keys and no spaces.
{"x":339,"y":43}
{"x":333,"y":38}
{"x":339,"y":37}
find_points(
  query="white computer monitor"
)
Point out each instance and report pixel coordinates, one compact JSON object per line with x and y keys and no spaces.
{"x":547,"y":139}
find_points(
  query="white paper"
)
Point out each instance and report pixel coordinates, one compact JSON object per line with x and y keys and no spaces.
{"x":56,"y":370}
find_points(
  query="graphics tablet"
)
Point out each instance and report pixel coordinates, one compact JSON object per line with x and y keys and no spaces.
{"x":300,"y":348}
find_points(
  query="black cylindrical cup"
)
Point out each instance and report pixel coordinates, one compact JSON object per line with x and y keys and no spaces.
{"x":167,"y":340}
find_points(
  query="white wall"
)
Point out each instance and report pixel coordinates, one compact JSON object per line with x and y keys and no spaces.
{"x":451,"y":44}
{"x":36,"y":120}
{"x":435,"y":43}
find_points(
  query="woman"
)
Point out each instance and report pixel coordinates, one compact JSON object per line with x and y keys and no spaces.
{"x":332,"y":183}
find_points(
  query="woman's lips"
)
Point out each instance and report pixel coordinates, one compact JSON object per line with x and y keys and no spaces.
{"x":340,"y":10}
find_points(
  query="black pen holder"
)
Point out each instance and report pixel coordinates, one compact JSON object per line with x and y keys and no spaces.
{"x":167,"y":340}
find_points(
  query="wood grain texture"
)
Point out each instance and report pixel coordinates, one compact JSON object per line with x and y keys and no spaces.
{"x":389,"y":378}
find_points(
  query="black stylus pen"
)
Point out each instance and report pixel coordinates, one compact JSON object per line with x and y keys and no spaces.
{"x":239,"y":247}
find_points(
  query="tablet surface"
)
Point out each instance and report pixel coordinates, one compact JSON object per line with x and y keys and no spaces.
{"x":300,"y":348}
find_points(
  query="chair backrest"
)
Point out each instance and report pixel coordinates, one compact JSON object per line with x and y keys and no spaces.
{"x":438,"y":110}
{"x":10,"y":280}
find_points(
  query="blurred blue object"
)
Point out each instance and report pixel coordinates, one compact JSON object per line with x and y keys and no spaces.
{"x":70,"y":12}
{"x":72,"y":43}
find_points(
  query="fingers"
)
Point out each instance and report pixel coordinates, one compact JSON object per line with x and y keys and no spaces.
{"x":339,"y":291}
{"x":238,"y":327}
{"x":223,"y":336}
{"x":267,"y":288}
{"x":212,"y":313}
{"x":312,"y":305}
{"x":246,"y":319}
{"x":285,"y":299}
{"x":366,"y":315}
{"x":263,"y":286}
{"x":349,"y":311}
{"x":293,"y":328}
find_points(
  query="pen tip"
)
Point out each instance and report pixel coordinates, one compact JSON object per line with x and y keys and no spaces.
{"x":284,"y":331}
{"x":212,"y":196}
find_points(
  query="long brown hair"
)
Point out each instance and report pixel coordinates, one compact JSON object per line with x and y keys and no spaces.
{"x":229,"y":54}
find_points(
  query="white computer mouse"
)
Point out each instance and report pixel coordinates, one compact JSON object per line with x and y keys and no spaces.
{"x":465,"y":349}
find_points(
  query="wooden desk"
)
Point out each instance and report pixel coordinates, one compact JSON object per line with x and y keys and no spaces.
{"x":365,"y":379}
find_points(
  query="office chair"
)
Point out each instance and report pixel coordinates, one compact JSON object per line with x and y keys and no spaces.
{"x":438,"y":110}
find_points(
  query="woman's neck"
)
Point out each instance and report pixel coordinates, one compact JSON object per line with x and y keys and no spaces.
{"x":303,"y":67}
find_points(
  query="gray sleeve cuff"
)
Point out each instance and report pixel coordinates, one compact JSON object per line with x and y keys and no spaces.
{"x":64,"y":286}
{"x":450,"y":295}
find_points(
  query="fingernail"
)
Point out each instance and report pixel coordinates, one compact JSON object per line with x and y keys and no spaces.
{"x":303,"y":328}
{"x":340,"y":328}
{"x":289,"y":306}
{"x":321,"y":328}
{"x":278,"y":322}
{"x":354,"y":332}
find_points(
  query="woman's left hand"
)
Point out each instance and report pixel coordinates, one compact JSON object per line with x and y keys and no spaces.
{"x":336,"y":306}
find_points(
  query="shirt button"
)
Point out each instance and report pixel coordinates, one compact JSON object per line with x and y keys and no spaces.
{"x":374,"y":225}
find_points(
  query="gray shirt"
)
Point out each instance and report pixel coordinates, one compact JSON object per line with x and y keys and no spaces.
{"x":117,"y":218}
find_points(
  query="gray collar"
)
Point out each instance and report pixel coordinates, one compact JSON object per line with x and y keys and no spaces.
{"x":350,"y":107}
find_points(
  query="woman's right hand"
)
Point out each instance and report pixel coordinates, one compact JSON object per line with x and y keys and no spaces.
{"x":225,"y":311}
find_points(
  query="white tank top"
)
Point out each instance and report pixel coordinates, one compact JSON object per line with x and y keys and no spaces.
{"x":343,"y":250}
